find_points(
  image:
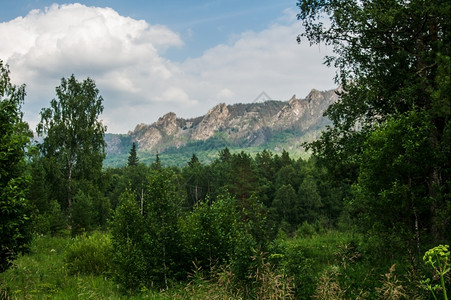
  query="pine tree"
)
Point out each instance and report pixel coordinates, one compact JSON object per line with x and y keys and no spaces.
{"x":157,"y":164}
{"x":133,"y":158}
{"x":194,"y":161}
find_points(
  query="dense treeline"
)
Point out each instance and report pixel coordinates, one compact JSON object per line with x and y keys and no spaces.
{"x":228,"y":218}
{"x":164,"y":219}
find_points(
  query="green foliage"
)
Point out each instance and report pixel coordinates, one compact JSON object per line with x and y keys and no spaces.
{"x":263,"y":280}
{"x":306,"y":230}
{"x":196,"y":181}
{"x":147,"y":239}
{"x":14,"y":136}
{"x":309,"y":200}
{"x":133,"y":157}
{"x":438,"y":258}
{"x":82,"y":213}
{"x":395,"y":159}
{"x":305,"y":258}
{"x":52,"y":221}
{"x":392,"y":120}
{"x":90,"y":255}
{"x":162,"y":236}
{"x":210,"y":232}
{"x":285,"y":205}
{"x":73,"y":134}
{"x":126,"y":233}
{"x":43,"y":274}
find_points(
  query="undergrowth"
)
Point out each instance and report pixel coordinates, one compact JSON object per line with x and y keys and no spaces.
{"x":322,"y":266}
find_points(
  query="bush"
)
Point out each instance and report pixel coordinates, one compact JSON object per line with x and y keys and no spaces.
{"x":90,"y":255}
{"x":306,"y":230}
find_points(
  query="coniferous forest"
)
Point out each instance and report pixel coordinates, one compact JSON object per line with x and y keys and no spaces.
{"x":366,"y":216}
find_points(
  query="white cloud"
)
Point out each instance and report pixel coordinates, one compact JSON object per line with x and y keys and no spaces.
{"x":176,"y":95}
{"x":269,"y":60}
{"x":226,"y":94}
{"x":125,"y":57}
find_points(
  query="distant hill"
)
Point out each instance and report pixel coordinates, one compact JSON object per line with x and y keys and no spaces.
{"x":272,"y":125}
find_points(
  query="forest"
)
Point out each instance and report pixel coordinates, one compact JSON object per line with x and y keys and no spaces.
{"x":365,"y":216}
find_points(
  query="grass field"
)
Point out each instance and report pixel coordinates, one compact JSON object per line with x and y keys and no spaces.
{"x":43,"y":274}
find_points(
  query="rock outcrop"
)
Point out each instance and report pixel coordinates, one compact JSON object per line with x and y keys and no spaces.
{"x":247,"y":124}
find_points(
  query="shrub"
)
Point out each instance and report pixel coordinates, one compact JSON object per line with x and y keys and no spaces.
{"x":306,"y":230}
{"x":90,"y":254}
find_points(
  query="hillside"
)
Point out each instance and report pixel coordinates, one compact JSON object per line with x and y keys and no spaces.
{"x":274,"y":125}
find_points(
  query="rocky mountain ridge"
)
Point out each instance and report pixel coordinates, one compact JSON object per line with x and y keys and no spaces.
{"x":248,"y":125}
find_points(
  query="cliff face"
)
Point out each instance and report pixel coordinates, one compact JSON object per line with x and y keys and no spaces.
{"x":304,"y":113}
{"x":215,"y":119}
{"x":247,"y":124}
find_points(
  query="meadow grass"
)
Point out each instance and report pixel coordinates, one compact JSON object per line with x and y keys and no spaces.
{"x":320,"y":266}
{"x":44,"y":274}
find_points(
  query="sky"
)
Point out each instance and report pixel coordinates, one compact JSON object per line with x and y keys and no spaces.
{"x":151,"y":57}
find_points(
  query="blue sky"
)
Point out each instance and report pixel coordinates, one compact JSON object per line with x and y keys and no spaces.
{"x":152,"y":57}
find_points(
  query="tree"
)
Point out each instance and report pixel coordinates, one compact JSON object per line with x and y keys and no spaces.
{"x":147,"y":239}
{"x":388,"y":54}
{"x":196,"y":181}
{"x":391,"y":56}
{"x":309,"y":200}
{"x":73,"y":134}
{"x":393,"y":64}
{"x":243,"y":181}
{"x":161,"y":240}
{"x":14,"y":136}
{"x":395,"y":159}
{"x":285,"y":205}
{"x":133,"y":157}
{"x":266,"y":176}
{"x":210,"y":231}
{"x":127,"y":231}
{"x":194,"y":160}
{"x":156,"y":165}
{"x":224,"y":154}
{"x":82,"y":213}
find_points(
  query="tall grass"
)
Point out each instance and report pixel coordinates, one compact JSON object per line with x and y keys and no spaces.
{"x":43,"y":274}
{"x":322,"y":266}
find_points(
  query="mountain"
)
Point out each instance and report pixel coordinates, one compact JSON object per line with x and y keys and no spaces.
{"x":271,"y":124}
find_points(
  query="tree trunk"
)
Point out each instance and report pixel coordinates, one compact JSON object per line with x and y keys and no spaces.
{"x":69,"y":186}
{"x":69,"y":193}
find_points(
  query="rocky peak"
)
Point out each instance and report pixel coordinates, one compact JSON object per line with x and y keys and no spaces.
{"x":292,"y":100}
{"x":139,"y":127}
{"x":167,"y":118}
{"x":219,"y":110}
{"x":289,"y":112}
{"x":314,"y":96}
{"x":211,"y":122}
{"x":168,"y":123}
